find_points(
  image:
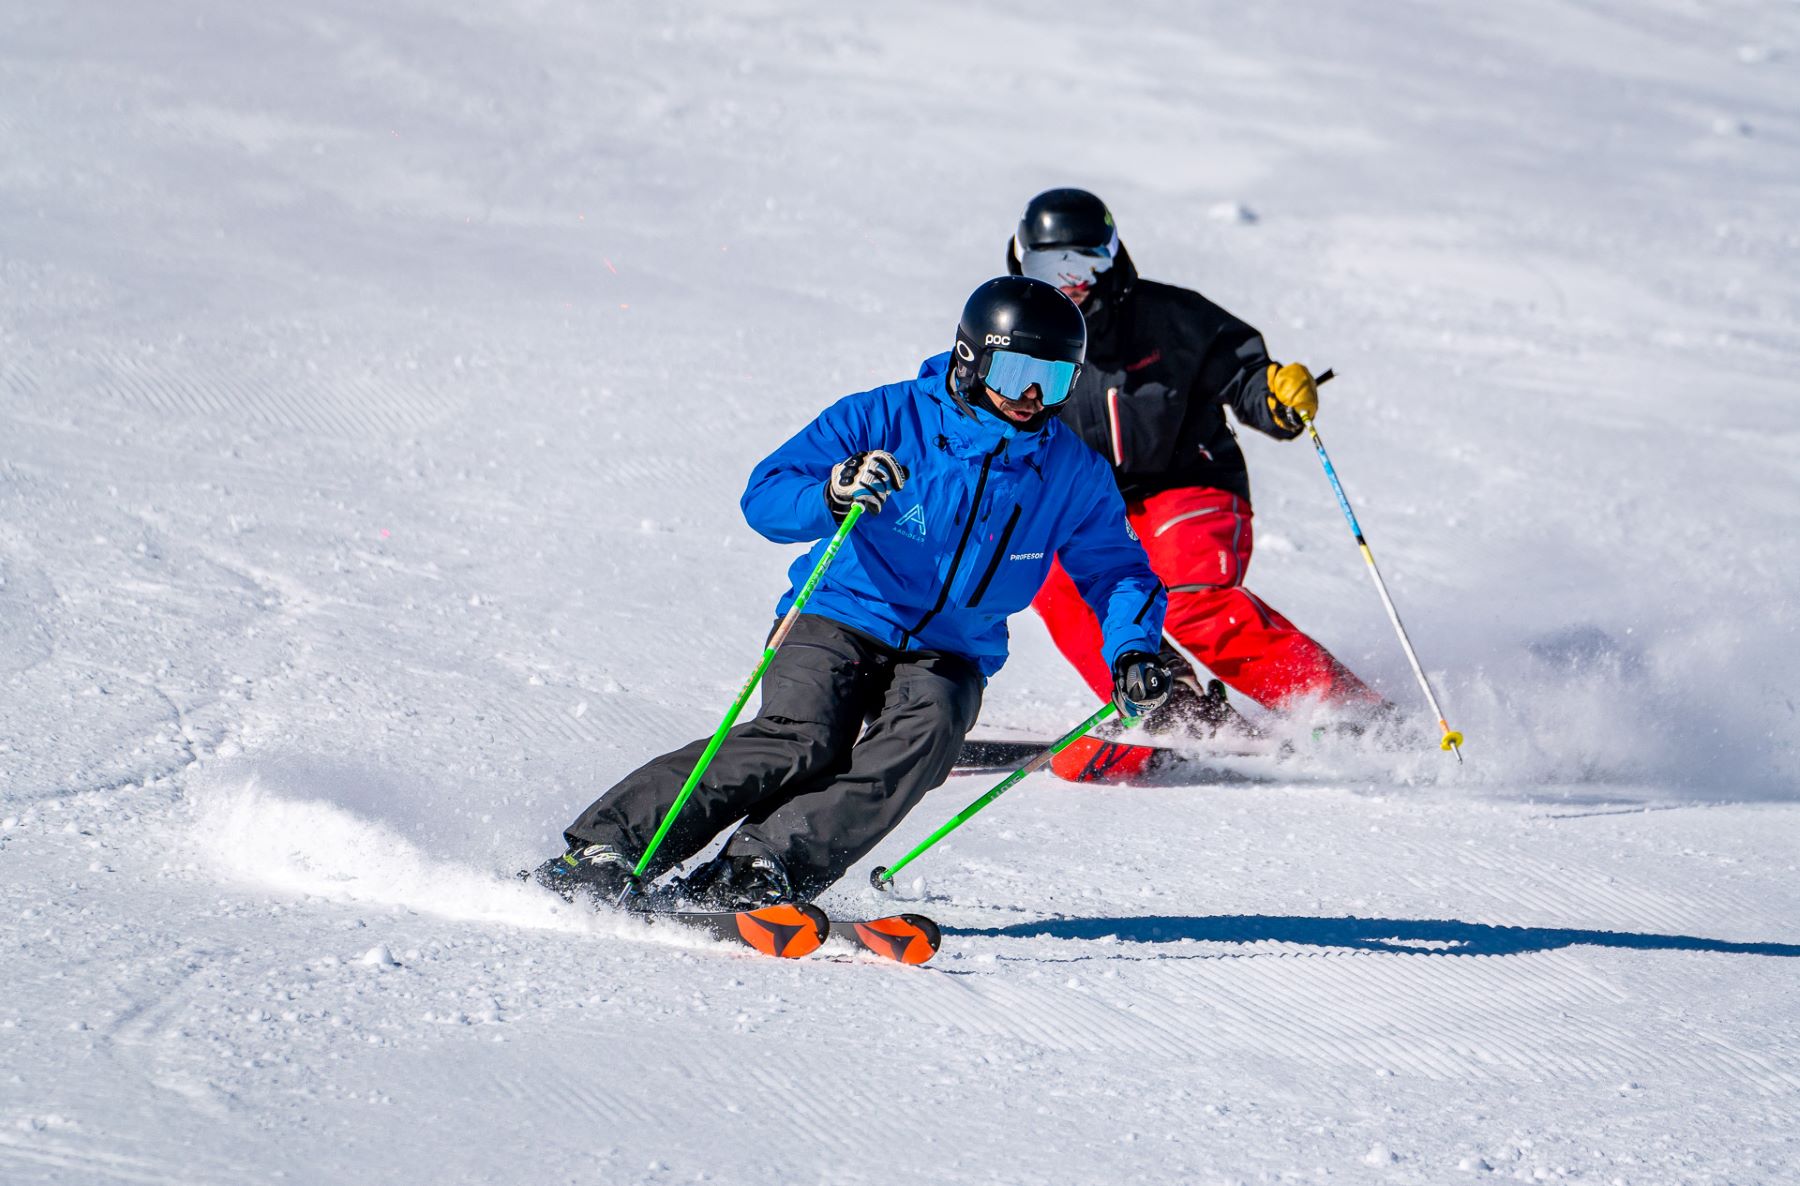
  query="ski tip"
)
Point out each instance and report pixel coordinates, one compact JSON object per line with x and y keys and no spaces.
{"x":905,"y":938}
{"x":789,"y":931}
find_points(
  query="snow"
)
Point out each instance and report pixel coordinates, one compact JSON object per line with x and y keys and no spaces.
{"x":376,"y":386}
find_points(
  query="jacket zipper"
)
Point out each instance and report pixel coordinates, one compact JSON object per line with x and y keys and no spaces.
{"x":956,"y":557}
{"x":999,"y":555}
{"x":1150,"y":601}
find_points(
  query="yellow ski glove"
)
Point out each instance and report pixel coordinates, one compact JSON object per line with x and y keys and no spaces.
{"x":1292,"y":393}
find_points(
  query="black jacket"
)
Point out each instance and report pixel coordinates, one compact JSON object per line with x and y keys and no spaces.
{"x":1163,"y":364}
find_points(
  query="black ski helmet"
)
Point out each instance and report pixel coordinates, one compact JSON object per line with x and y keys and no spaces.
{"x":1065,"y":218}
{"x":1023,"y":315}
{"x":1075,"y":218}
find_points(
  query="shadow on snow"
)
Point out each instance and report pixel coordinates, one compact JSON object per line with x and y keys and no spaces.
{"x":1413,"y":936}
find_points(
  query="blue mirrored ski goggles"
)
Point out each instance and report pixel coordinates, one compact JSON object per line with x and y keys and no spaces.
{"x":1012,"y":374}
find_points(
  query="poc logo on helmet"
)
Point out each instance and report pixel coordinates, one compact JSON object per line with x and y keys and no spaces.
{"x":998,"y":340}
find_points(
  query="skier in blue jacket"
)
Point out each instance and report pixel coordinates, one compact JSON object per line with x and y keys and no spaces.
{"x":971,"y":488}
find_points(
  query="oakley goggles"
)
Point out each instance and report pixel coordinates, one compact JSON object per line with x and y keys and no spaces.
{"x":1013,"y":374}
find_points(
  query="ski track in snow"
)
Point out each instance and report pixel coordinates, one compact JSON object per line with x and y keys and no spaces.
{"x":376,"y":387}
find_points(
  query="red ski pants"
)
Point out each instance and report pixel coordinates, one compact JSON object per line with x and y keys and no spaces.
{"x":1199,"y":543}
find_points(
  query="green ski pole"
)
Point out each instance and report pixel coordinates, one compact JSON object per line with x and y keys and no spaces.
{"x":775,"y":641}
{"x":883,"y":876}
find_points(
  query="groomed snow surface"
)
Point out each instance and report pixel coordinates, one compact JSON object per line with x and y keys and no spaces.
{"x":377,"y":381}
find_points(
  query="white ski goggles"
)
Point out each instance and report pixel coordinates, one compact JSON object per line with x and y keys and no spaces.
{"x":1069,"y":267}
{"x":1013,"y":374}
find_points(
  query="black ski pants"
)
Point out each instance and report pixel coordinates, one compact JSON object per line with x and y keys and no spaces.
{"x":851,"y":735}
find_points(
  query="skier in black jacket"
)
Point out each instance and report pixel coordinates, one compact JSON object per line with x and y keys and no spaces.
{"x":1163,"y":365}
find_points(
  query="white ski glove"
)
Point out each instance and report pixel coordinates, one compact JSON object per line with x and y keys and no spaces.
{"x":867,"y":478}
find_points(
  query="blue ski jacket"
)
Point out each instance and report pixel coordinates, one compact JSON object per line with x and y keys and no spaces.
{"x":968,"y":540}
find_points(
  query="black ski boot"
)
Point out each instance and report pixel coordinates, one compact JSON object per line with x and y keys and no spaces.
{"x":738,"y":883}
{"x":1198,"y":710}
{"x":1189,"y":713}
{"x":1194,"y":710}
{"x":597,"y":873}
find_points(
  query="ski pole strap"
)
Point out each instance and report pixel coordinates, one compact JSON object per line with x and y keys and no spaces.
{"x":881,"y":877}
{"x":743,"y":697}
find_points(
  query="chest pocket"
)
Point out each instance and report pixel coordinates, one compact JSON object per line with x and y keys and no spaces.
{"x":998,"y":558}
{"x":1010,"y":567}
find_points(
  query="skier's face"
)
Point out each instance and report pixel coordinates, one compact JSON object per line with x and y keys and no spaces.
{"x":1020,"y":410}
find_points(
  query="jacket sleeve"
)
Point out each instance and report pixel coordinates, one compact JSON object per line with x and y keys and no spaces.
{"x":1248,"y":390}
{"x":1108,"y":565}
{"x":785,"y":499}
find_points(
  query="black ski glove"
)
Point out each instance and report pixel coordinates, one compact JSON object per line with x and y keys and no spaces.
{"x":867,"y":478}
{"x":1140,"y":683}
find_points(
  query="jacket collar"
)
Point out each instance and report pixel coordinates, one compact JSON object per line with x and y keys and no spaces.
{"x":968,"y":433}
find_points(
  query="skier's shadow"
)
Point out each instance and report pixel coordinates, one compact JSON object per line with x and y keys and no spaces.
{"x":1401,"y":935}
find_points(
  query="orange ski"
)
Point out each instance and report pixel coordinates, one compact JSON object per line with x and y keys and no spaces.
{"x":905,"y":938}
{"x":790,"y":930}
